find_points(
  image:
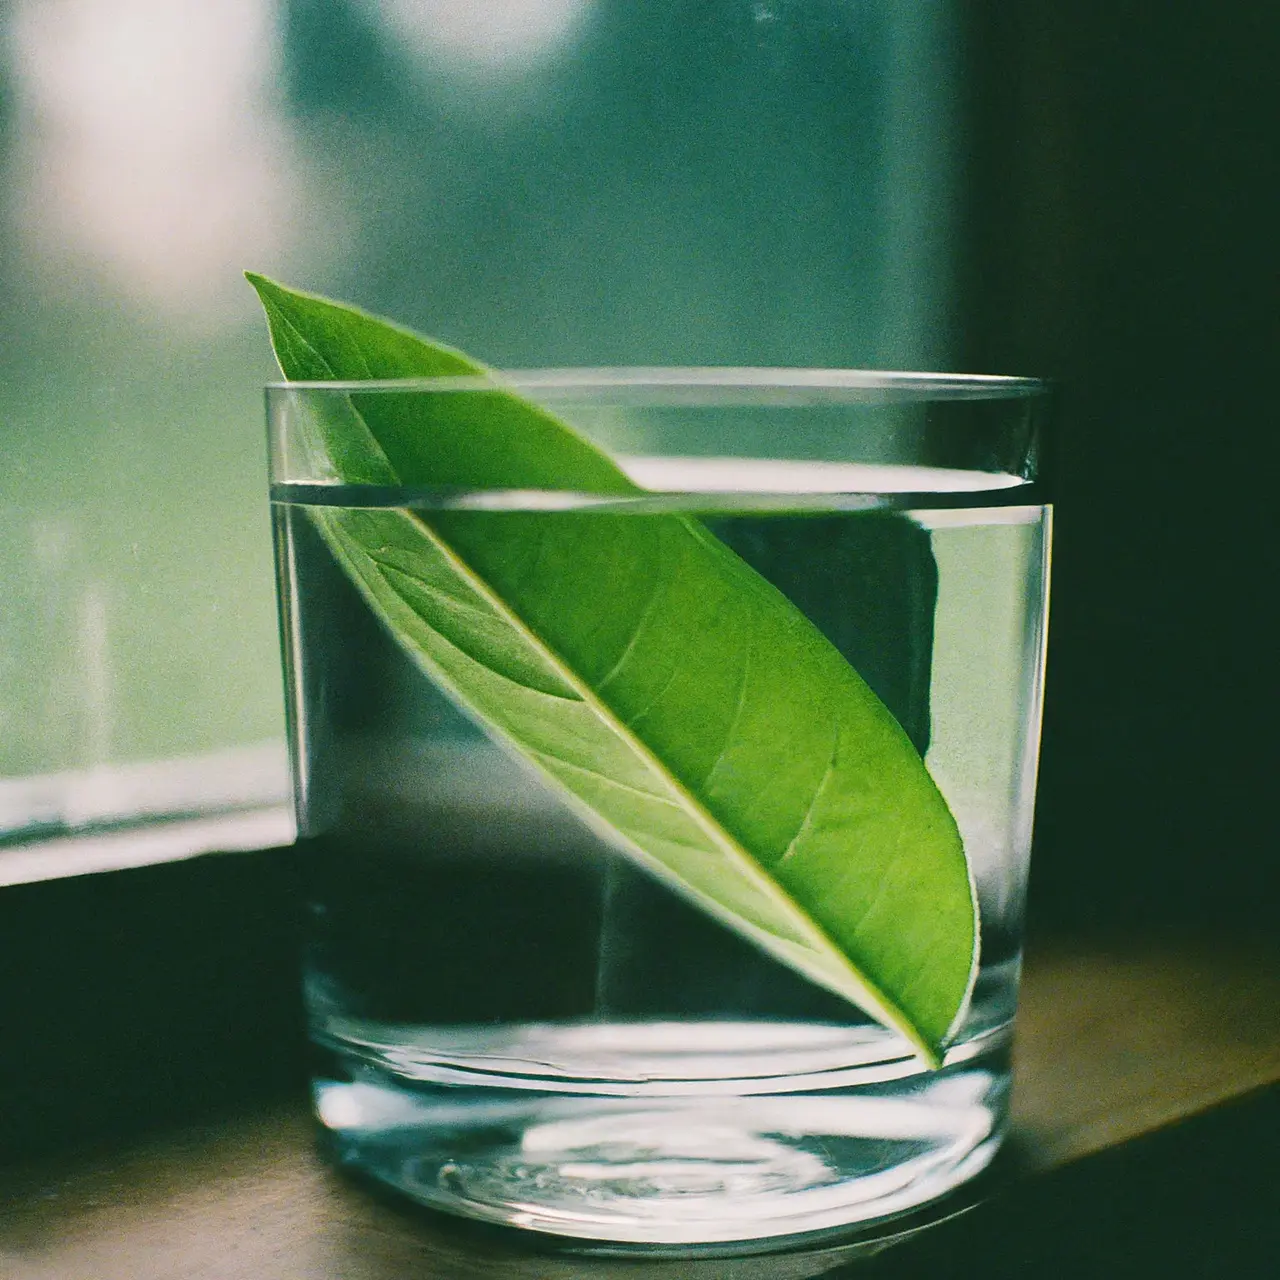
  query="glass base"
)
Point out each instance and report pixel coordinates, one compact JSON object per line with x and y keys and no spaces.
{"x":816,"y":1131}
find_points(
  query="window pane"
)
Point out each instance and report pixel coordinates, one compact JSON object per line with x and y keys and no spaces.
{"x":537,"y":181}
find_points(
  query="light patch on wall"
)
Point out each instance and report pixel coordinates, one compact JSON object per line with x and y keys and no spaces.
{"x":149,"y":151}
{"x":483,"y":39}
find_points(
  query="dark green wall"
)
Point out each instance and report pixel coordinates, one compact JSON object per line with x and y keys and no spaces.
{"x":1121,"y":233}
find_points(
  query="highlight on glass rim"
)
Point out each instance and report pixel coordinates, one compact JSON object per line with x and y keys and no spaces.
{"x":693,"y":823}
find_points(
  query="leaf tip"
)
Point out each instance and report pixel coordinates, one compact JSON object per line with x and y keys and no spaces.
{"x":263,"y":286}
{"x":931,"y":1056}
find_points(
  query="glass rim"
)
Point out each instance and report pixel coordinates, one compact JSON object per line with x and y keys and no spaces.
{"x":720,"y":383}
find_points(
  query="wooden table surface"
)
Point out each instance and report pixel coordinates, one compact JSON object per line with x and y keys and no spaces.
{"x":1114,"y":1041}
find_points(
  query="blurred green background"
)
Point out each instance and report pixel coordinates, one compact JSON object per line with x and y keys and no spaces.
{"x":1083,"y":191}
{"x":542,"y":182}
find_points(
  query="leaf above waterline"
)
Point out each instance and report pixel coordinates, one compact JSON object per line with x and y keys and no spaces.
{"x":683,"y":706}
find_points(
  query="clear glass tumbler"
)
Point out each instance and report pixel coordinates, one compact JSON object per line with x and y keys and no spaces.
{"x":536,"y":999}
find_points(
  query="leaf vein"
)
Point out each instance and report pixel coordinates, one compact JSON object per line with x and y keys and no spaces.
{"x":390,"y":573}
{"x":738,"y":707}
{"x":806,"y":823}
{"x":574,"y":767}
{"x":645,"y":614}
{"x":388,"y":566}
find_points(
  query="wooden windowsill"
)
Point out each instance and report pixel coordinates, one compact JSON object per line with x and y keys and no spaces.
{"x":1115,"y":1041}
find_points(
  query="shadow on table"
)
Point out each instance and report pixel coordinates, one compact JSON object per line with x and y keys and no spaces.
{"x":1200,"y":1199}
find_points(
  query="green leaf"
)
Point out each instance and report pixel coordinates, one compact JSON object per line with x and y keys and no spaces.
{"x":683,"y":706}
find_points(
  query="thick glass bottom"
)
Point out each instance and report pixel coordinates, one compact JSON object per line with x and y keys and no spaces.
{"x":662,"y":1137}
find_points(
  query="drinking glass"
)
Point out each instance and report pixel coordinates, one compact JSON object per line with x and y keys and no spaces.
{"x":519,"y":1013}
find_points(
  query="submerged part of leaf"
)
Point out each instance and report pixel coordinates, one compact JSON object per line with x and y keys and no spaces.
{"x":683,"y":705}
